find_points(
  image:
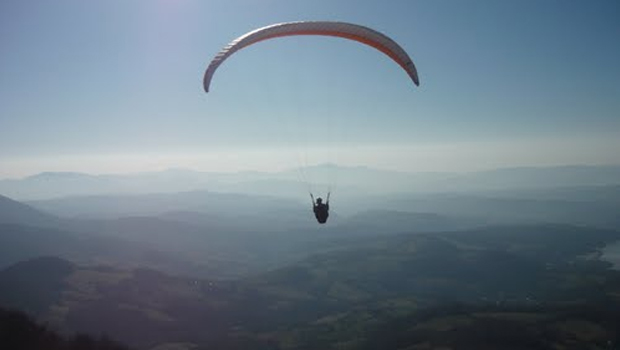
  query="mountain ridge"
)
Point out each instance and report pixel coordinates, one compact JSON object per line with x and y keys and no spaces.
{"x":351,"y":179}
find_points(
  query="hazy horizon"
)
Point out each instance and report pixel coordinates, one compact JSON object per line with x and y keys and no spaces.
{"x":464,"y":158}
{"x":100,"y":169}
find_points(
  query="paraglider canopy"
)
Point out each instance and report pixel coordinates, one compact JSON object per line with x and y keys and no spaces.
{"x":344,"y":30}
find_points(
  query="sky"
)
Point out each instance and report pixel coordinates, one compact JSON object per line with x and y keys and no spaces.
{"x":116,"y":86}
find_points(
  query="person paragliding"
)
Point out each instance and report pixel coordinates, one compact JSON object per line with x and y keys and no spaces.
{"x":349,"y":31}
{"x":321,"y":210}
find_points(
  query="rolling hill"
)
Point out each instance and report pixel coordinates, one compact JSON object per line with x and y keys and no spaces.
{"x":14,"y":212}
{"x":521,"y":274}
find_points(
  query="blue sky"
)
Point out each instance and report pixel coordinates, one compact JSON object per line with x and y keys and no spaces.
{"x":115,"y":86}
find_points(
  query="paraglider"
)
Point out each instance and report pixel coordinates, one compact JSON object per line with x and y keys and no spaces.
{"x":321,"y":210}
{"x":344,"y":30}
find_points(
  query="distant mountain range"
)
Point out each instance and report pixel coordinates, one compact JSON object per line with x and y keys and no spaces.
{"x":193,"y":233}
{"x":230,"y":234}
{"x":589,"y":205}
{"x":347,"y":181}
